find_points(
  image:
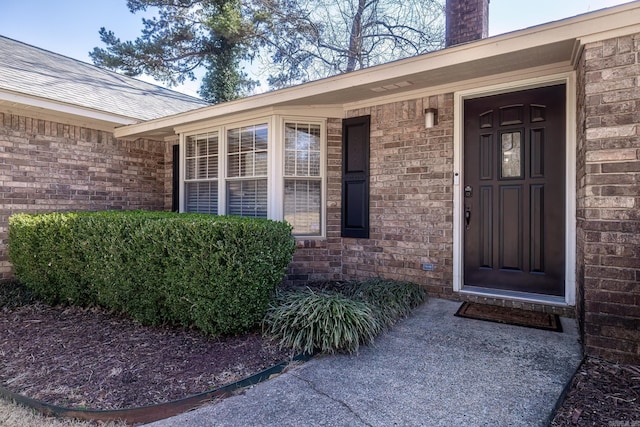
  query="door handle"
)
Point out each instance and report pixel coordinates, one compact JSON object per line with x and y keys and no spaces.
{"x":467,"y":217}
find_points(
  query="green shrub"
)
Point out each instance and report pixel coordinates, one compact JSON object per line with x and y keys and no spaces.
{"x":339,"y":316}
{"x":215,"y":273}
{"x":391,"y":300}
{"x":307,"y":320}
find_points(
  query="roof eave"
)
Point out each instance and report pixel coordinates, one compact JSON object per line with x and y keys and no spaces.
{"x":557,"y":41}
{"x":21,"y":102}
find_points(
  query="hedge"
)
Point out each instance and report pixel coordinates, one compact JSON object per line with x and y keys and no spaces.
{"x":214,"y":273}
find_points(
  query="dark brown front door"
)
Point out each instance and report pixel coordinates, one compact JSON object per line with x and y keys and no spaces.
{"x":514,"y":191}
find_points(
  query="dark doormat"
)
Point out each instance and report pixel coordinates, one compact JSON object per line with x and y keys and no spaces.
{"x":511,"y":316}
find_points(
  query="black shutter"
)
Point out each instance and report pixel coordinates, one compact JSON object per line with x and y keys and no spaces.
{"x":175,"y":180}
{"x":355,"y":177}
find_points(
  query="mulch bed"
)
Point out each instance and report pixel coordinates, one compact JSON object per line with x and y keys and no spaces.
{"x":90,"y":359}
{"x":602,"y":394}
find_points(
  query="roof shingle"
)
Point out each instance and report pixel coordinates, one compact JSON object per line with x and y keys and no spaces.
{"x":37,"y":72}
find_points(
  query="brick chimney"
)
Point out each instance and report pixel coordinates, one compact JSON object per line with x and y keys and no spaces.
{"x":467,"y":20}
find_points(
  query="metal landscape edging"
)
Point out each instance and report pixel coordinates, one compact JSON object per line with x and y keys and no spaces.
{"x":146,"y":414}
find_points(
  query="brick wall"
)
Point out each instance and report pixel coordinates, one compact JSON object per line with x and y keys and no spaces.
{"x":47,"y":166}
{"x":317,"y":260}
{"x":411,"y":199}
{"x":609,"y":198}
{"x":411,"y":206}
{"x":466,"y":20}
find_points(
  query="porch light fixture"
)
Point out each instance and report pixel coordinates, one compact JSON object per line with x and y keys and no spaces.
{"x":430,"y":117}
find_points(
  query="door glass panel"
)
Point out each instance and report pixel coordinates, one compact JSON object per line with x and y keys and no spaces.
{"x":511,"y":155}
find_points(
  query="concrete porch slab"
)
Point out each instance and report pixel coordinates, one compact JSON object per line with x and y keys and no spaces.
{"x":432,"y":369}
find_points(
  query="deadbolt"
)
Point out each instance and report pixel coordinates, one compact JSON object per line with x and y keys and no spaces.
{"x":468,"y":191}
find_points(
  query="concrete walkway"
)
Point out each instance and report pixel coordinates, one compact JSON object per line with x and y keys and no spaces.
{"x":432,"y":369}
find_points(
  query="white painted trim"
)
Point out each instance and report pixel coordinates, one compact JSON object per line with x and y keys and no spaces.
{"x":571,"y":191}
{"x":323,"y":170}
{"x":182,"y":167}
{"x":458,"y":168}
{"x":275,"y":163}
{"x":314,"y":113}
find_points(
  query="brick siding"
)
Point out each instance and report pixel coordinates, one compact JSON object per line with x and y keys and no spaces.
{"x":467,"y":20}
{"x":411,"y":199}
{"x":411,"y":206}
{"x":47,"y":166}
{"x":608,"y":212}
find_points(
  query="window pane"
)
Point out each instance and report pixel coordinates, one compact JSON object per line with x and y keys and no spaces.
{"x":289,"y":162}
{"x":314,"y":163}
{"x":302,"y":163}
{"x":246,"y":138}
{"x":233,"y":140}
{"x":290,"y":136}
{"x":201,"y":156}
{"x":233,"y":168}
{"x":201,"y":197}
{"x":302,"y":206}
{"x":302,"y":149}
{"x":247,"y":156}
{"x":262,"y":136}
{"x":260,"y":163}
{"x":247,"y":198}
{"x":190,"y":172}
{"x":212,"y":168}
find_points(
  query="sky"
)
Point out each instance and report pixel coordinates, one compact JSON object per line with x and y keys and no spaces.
{"x":70,"y":27}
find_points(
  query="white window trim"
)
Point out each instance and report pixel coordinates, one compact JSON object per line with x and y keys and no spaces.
{"x":323,"y":170}
{"x":275,"y":164}
{"x":569,"y":79}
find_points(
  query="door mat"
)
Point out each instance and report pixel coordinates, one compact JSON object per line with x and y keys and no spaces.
{"x":511,"y":316}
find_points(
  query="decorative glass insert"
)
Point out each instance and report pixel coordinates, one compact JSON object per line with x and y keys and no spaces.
{"x":511,"y":155}
{"x":201,"y":173}
{"x":302,"y":183}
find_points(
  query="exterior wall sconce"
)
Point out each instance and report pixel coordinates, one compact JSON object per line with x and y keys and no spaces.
{"x":430,"y":117}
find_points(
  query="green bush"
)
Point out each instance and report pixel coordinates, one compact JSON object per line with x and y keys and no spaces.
{"x":215,"y":273}
{"x":339,"y":316}
{"x":307,"y":320}
{"x":391,"y":300}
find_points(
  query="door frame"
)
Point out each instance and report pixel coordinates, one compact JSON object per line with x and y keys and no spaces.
{"x":569,"y":79}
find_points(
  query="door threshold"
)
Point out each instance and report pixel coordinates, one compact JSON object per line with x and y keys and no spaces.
{"x":515,"y":296}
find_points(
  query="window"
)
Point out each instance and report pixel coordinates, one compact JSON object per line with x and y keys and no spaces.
{"x":239,"y":170}
{"x":302,"y":178}
{"x":247,"y":171}
{"x":201,"y":173}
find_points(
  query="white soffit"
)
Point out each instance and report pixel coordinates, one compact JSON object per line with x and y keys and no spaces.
{"x":535,"y":47}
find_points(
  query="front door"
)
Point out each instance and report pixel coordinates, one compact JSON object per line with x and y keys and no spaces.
{"x":514,"y":191}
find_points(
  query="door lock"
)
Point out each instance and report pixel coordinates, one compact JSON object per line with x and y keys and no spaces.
{"x":468,"y":191}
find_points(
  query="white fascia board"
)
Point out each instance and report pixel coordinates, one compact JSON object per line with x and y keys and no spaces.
{"x":25,"y":102}
{"x":316,"y":112}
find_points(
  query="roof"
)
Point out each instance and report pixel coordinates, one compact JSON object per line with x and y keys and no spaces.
{"x":28,"y":72}
{"x":550,"y":48}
